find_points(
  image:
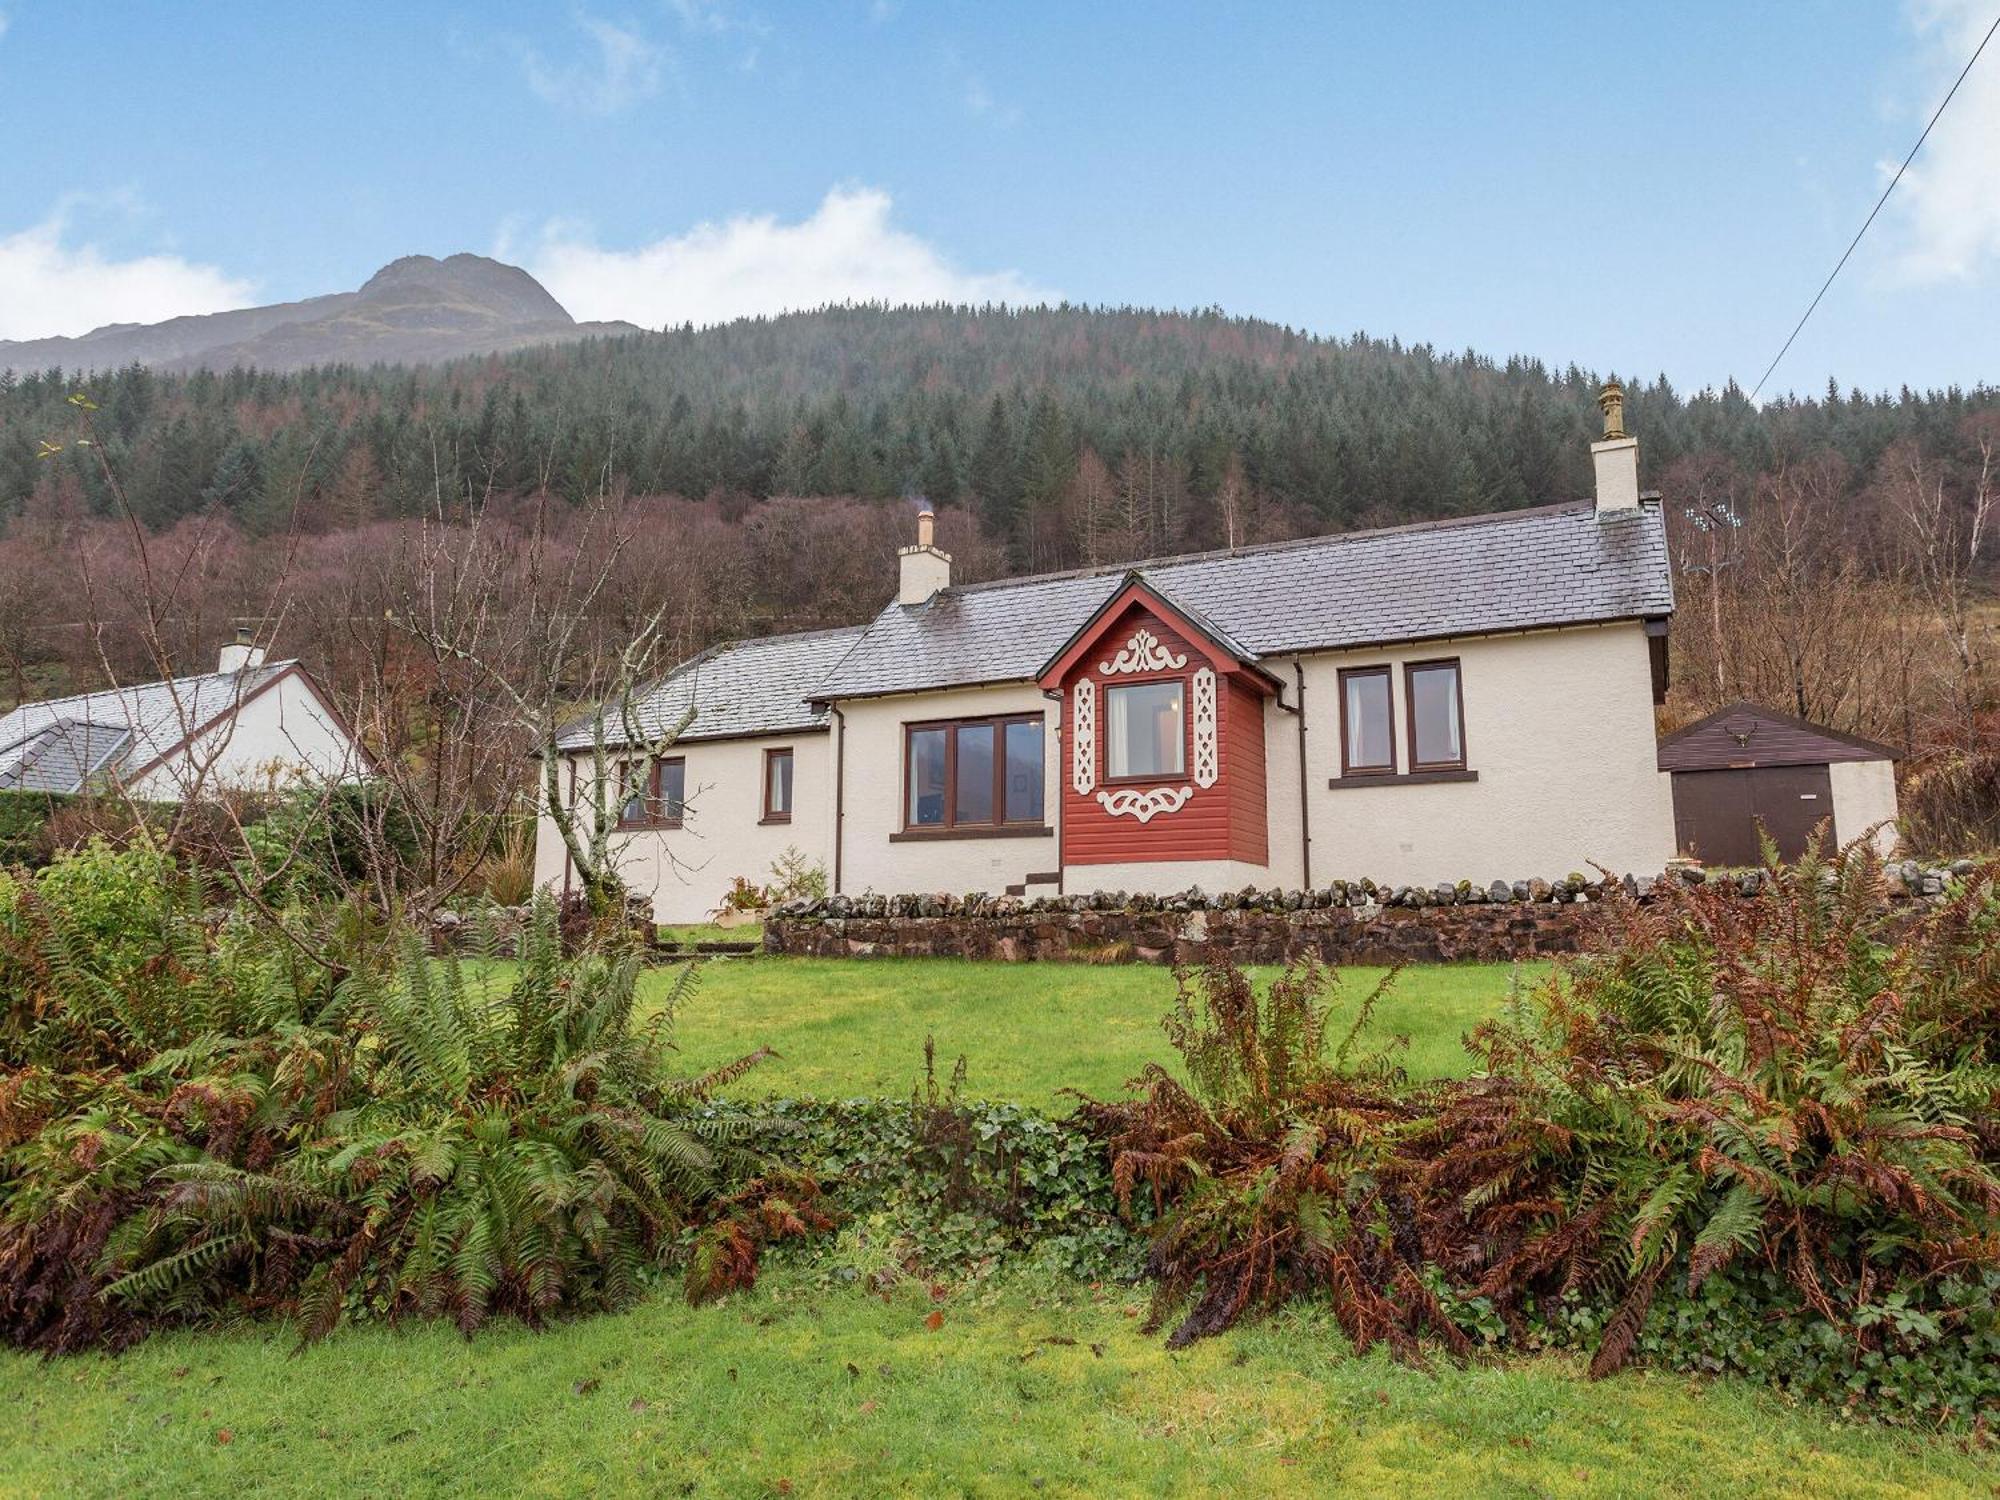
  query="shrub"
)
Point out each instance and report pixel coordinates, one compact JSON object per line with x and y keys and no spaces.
{"x":1800,"y":1080}
{"x":946,"y":1185}
{"x":796,"y":878}
{"x":1280,"y":1168}
{"x":1778,"y":1108}
{"x":221,"y":1130}
{"x":508,"y":875}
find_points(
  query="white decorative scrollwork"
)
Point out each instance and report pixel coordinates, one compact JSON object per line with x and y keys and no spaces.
{"x":1083,"y":736}
{"x":1143,"y":653}
{"x":1145,"y":805}
{"x":1207,"y":765}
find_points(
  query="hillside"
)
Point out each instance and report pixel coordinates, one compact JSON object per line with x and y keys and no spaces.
{"x":415,"y":310}
{"x":1069,"y":432}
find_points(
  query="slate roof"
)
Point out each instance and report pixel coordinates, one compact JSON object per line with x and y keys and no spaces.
{"x":58,"y":744}
{"x":737,"y":688}
{"x":60,"y":757}
{"x":1518,"y":570}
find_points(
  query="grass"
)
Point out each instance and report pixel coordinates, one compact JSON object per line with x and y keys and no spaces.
{"x":710,"y":932}
{"x":849,"y":1027}
{"x":792,"y":1389}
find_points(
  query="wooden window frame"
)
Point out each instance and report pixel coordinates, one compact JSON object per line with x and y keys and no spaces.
{"x":1410,"y":670}
{"x":655,"y":816}
{"x":1151,"y":778}
{"x":1348,"y":768}
{"x":770,"y":755}
{"x":1000,"y":826}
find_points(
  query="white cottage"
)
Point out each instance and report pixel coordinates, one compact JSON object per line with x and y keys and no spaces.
{"x":250,"y":725}
{"x":1470,"y":698}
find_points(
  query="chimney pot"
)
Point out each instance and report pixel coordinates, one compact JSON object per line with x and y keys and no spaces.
{"x":1615,"y":457}
{"x":242,"y":653}
{"x":924,"y":569}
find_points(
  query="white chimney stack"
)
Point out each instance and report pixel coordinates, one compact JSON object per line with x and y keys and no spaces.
{"x":240,"y":654}
{"x":1616,"y":457}
{"x":925,"y":569}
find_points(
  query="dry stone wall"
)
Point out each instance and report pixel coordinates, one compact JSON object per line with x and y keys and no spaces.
{"x":1348,"y":922}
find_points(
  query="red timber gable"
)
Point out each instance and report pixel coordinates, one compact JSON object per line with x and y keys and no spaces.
{"x":1162,"y":738}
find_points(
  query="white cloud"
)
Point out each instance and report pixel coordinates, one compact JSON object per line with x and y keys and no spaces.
{"x":846,"y":251}
{"x":50,"y":287}
{"x":621,"y":68}
{"x":1949,"y":201}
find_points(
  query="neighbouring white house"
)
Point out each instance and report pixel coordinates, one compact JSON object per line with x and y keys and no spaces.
{"x":250,"y":725}
{"x":1462,"y":699}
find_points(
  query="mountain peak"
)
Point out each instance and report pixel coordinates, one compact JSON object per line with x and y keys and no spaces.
{"x":478,"y":280}
{"x":415,"y":310}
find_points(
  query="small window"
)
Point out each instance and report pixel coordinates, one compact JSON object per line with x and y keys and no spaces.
{"x":652,"y":793}
{"x":778,"y":786}
{"x":1437,"y":733}
{"x":1145,"y":730}
{"x":980,"y":773}
{"x":1367,"y":733}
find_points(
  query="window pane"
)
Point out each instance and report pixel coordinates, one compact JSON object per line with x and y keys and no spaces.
{"x":1369,"y":745}
{"x":778,"y":795}
{"x":925,"y":775}
{"x":1024,"y":773}
{"x":1434,"y":710}
{"x":632,"y":791}
{"x":673,"y":789}
{"x":1143,"y":732}
{"x":975,"y":774}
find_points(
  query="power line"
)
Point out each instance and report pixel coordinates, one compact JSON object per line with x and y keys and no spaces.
{"x":1878,"y":204}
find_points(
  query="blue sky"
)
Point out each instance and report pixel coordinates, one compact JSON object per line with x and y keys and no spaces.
{"x":1640,"y":188}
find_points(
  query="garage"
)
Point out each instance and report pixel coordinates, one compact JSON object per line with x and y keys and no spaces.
{"x":1746,"y":767}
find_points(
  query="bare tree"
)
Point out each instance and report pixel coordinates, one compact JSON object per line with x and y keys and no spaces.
{"x":1943,"y":533}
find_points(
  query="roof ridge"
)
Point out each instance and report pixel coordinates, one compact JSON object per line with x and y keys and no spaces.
{"x":788,"y":635}
{"x":1262,"y":549}
{"x":122,"y":689}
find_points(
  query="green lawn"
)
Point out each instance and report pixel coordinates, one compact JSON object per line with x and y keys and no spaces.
{"x":791,"y":1389}
{"x":847,"y":1027}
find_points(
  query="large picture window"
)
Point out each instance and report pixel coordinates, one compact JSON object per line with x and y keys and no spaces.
{"x":1145,"y":730}
{"x":652,"y":793}
{"x":973,"y":774}
{"x":1367,"y":723}
{"x":1437,"y":716}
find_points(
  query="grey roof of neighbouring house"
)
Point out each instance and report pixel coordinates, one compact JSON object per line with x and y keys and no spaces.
{"x":60,"y":757}
{"x":57,"y":745}
{"x":737,"y":688}
{"x":1518,"y":570}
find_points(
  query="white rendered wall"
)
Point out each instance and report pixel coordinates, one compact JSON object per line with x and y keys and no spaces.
{"x":1559,"y":726}
{"x":870,"y":861}
{"x":1864,"y":798}
{"x":685,"y":870}
{"x":280,"y":738}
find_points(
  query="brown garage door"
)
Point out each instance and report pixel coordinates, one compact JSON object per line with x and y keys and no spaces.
{"x":1716,"y":813}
